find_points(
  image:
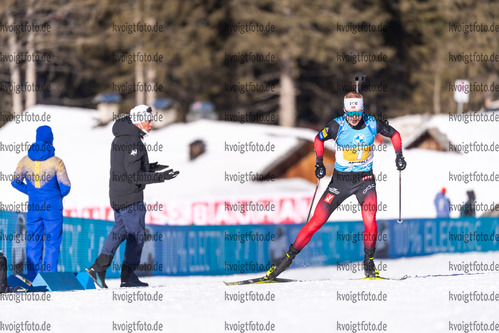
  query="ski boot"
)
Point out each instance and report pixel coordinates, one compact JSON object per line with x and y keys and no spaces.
{"x":369,"y":267}
{"x":282,"y":264}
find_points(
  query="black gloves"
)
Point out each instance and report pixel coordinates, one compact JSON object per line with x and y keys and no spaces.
{"x":167,"y":175}
{"x":400,"y":161}
{"x":320,"y":169}
{"x":156,"y":167}
{"x":162,"y":176}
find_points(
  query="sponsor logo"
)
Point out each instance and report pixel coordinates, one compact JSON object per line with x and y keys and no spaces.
{"x":367,"y":177}
{"x":359,"y":139}
{"x":329,"y":198}
{"x":323,"y":134}
{"x":368,"y":188}
{"x":133,"y":152}
{"x":334,"y":190}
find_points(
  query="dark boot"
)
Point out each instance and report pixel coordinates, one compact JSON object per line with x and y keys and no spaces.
{"x":98,"y":270}
{"x":133,"y":281}
{"x":129,"y":278}
{"x":369,"y":267}
{"x":98,"y":277}
{"x":102,"y":262}
{"x":283,"y":263}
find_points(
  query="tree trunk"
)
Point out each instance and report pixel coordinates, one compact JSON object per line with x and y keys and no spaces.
{"x":139,"y":80}
{"x":287,"y":103}
{"x":150,"y":67}
{"x":140,"y":96}
{"x":15,"y":72}
{"x":30,"y":65}
{"x":437,"y":89}
{"x":151,"y":81}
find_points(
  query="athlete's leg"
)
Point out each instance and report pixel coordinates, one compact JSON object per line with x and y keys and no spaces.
{"x":366,"y":195}
{"x":329,"y":201}
{"x":369,"y":209}
{"x":325,"y":207}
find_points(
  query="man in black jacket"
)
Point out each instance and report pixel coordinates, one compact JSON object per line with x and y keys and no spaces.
{"x":130,"y":173}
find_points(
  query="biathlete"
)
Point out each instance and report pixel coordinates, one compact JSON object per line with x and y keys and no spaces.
{"x":354,"y":134}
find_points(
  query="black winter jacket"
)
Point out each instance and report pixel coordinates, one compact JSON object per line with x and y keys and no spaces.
{"x":129,"y":172}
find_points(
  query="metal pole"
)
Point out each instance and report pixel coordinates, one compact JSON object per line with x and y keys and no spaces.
{"x":313,"y":199}
{"x":400,"y":197}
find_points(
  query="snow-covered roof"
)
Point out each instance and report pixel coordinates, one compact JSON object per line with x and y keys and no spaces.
{"x":409,"y":125}
{"x":464,"y":128}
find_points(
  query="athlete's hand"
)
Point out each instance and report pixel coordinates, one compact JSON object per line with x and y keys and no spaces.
{"x":168,"y":174}
{"x":320,"y":169}
{"x":400,"y":162}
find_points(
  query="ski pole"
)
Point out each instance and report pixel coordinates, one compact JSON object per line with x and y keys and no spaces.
{"x":313,"y":199}
{"x":400,"y":197}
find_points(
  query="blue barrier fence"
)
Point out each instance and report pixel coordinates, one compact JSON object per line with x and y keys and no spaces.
{"x":227,"y":249}
{"x":427,"y":236}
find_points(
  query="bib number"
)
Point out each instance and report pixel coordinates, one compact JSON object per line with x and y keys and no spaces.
{"x":357,"y":154}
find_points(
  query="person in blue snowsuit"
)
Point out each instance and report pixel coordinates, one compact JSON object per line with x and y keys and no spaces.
{"x":442,"y":204}
{"x":46,"y":184}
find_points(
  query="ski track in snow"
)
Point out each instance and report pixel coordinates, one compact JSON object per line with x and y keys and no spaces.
{"x":197,"y":304}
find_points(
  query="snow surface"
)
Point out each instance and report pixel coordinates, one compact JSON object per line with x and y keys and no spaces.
{"x":197,"y":304}
{"x":84,"y":149}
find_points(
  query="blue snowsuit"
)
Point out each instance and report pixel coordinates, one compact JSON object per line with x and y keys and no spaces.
{"x":442,"y":205}
{"x":46,"y":184}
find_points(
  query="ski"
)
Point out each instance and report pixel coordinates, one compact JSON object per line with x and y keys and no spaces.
{"x":383,"y":278}
{"x":20,"y":277}
{"x":258,"y":281}
{"x":17,"y":289}
{"x":279,"y":280}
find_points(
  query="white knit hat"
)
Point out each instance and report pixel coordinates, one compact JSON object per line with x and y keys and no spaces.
{"x":141,"y":113}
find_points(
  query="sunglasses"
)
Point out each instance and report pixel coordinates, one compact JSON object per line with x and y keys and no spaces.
{"x":354,"y":113}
